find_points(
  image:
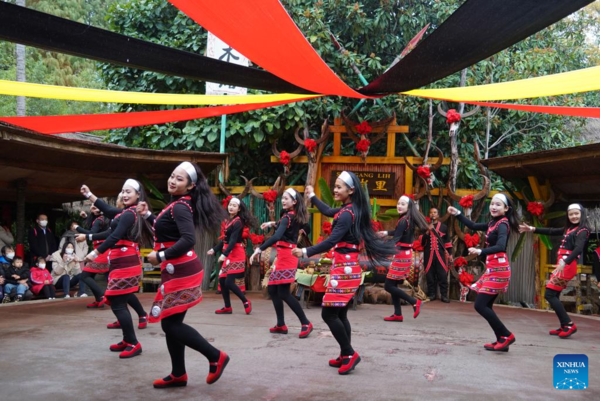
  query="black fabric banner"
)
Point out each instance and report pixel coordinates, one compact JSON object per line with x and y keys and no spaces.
{"x":476,"y":31}
{"x":45,"y":31}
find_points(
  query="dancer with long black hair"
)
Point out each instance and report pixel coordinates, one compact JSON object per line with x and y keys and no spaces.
{"x":351,"y":229}
{"x":403,"y":236}
{"x":233,"y":256}
{"x":496,"y":278}
{"x":127,"y":231}
{"x":283,"y":272}
{"x":192,"y":206}
{"x":575,"y":235}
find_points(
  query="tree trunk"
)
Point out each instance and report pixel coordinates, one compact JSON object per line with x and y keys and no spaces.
{"x":20,"y":53}
{"x":454,"y":157}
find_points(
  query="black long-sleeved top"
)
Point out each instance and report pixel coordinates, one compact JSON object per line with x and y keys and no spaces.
{"x":341,"y":228}
{"x":108,"y":210}
{"x":41,"y":243}
{"x":23,"y":274}
{"x":233,"y":235}
{"x":404,"y":232}
{"x":98,"y":225}
{"x":175,"y":224}
{"x":120,"y":227}
{"x":287,"y":231}
{"x":574,"y":239}
{"x":496,"y":240}
{"x":442,"y":231}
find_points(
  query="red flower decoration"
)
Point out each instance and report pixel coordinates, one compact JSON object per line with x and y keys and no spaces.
{"x":326,"y":227}
{"x":225,"y":202}
{"x":410,"y":196}
{"x":284,"y":158}
{"x":270,"y":196}
{"x":245,"y":233}
{"x":364,"y":128}
{"x":452,"y":116}
{"x":417,"y":247}
{"x":466,"y":201}
{"x":465,"y":278}
{"x":459,"y":262}
{"x":257,"y":239}
{"x":363,"y":145}
{"x":427,"y":219}
{"x":377,"y":226}
{"x":472,"y":240}
{"x":310,"y":145}
{"x":424,"y":172}
{"x":535,"y":208}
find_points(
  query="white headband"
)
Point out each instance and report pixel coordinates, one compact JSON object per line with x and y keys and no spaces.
{"x":132,"y":183}
{"x":501,"y":197}
{"x":190,"y":170}
{"x":292,"y":192}
{"x":235,"y":200}
{"x":574,"y":206}
{"x":405,"y":198}
{"x":344,"y":176}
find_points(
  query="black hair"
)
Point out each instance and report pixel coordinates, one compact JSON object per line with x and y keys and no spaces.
{"x":40,"y":214}
{"x":378,"y":251}
{"x":208,"y":211}
{"x":5,"y":248}
{"x":17,"y":258}
{"x":301,"y":216}
{"x":511,"y":214}
{"x":415,"y":218}
{"x":142,"y":232}
{"x":64,"y":247}
{"x":37,"y":261}
{"x":583,"y":221}
{"x":89,"y":221}
{"x":247,"y":218}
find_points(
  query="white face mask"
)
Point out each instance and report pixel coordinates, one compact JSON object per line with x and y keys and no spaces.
{"x":10,"y":255}
{"x":68,"y":251}
{"x":42,"y":265}
{"x":43,"y":223}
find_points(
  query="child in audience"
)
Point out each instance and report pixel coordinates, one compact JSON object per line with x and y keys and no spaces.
{"x":17,"y":277}
{"x":41,"y":280}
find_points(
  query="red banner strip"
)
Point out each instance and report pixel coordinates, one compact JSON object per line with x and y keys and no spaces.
{"x":590,"y":112}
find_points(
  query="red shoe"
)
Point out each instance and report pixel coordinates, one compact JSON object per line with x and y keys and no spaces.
{"x":115,"y":325}
{"x":501,"y":346}
{"x":349,"y":363}
{"x":106,"y":301}
{"x":490,"y":347}
{"x":555,"y":332}
{"x":143,"y":322}
{"x":248,"y":307}
{"x":568,"y":331}
{"x":171,"y":381}
{"x":131,"y":351}
{"x":224,"y":311}
{"x":306,"y":330}
{"x":279,"y":329}
{"x":394,"y":318}
{"x":336,"y":363}
{"x":220,"y":367}
{"x":96,"y":304}
{"x":417,"y":308}
{"x":118,"y":347}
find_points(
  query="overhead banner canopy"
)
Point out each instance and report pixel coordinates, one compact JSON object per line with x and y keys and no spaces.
{"x":589,"y":112}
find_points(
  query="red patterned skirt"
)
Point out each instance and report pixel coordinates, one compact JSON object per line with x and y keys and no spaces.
{"x":401,"y":265}
{"x":236,"y":261}
{"x":181,"y":285}
{"x":284,"y":268}
{"x":559,"y":280}
{"x":100,"y":264}
{"x":344,"y":280}
{"x":496,"y":278}
{"x":125,"y":269}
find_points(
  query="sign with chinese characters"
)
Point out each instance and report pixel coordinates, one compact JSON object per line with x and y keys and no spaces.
{"x":220,"y":50}
{"x":378,"y":182}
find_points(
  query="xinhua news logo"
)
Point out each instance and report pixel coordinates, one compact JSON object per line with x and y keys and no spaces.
{"x":571,"y":372}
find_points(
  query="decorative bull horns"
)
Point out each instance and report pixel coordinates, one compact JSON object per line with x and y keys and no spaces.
{"x":295,"y":153}
{"x":478,"y":196}
{"x":324,"y":134}
{"x":462,"y":115}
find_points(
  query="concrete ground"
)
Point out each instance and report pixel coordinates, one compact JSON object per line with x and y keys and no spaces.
{"x":58,"y":350}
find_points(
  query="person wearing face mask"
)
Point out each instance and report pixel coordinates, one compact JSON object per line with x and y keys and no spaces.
{"x":66,"y":273}
{"x":81,"y":248}
{"x":575,"y":236}
{"x":41,"y":280}
{"x":7,"y":254}
{"x":496,"y":277}
{"x":6,"y":237}
{"x":17,"y":279}
{"x":42,"y":242}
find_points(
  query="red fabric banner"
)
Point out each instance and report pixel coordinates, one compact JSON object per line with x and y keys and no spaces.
{"x":94,"y":122}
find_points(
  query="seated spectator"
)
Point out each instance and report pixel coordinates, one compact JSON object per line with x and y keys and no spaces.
{"x":8,"y":253}
{"x":6,"y":237}
{"x":66,"y":270}
{"x":41,"y":280}
{"x":2,"y":280}
{"x":81,"y":248}
{"x":17,"y":278}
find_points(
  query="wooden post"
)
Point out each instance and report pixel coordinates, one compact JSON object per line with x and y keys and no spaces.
{"x":20,"y":240}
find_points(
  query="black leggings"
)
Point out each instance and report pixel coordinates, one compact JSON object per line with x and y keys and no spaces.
{"x":391,"y":286}
{"x":280,"y":293}
{"x":135,"y":303}
{"x":179,"y":335}
{"x":228,"y":284}
{"x":553,"y":298}
{"x":118,"y":304}
{"x":89,"y":280}
{"x":483,"y":305}
{"x":49,"y":291}
{"x":336,"y":318}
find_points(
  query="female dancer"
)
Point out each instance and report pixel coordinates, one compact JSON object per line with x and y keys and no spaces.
{"x":575,"y":236}
{"x":284,"y":269}
{"x":192,"y":205}
{"x":233,"y":257}
{"x":496,"y":278}
{"x":351,"y":227}
{"x":400,"y":267}
{"x":127,"y":230}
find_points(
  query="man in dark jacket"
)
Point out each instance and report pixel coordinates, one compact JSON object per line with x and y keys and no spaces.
{"x":42,"y":242}
{"x":436,"y":265}
{"x":17,"y":277}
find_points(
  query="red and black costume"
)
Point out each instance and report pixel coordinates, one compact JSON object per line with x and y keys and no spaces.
{"x":495,"y":279}
{"x":436,"y":265}
{"x":400,"y":267}
{"x":98,"y":265}
{"x":234,"y":265}
{"x":181,"y":283}
{"x":570,"y":250}
{"x":284,"y":272}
